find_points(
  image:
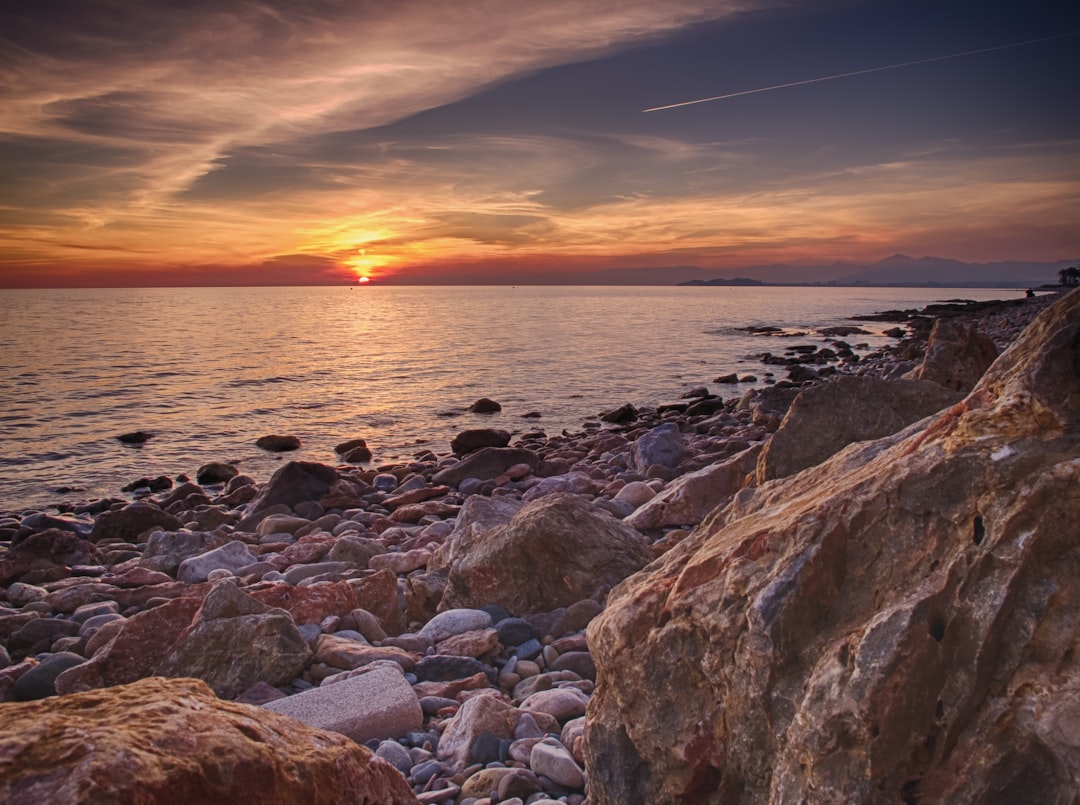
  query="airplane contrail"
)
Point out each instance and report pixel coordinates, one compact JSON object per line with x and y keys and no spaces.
{"x":859,"y":72}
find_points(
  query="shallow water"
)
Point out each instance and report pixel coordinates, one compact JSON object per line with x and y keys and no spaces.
{"x":209,"y":370}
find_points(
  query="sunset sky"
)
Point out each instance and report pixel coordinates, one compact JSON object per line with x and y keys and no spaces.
{"x":152,"y":142}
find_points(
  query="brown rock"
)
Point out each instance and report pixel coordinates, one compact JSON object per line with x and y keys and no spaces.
{"x":137,"y":743}
{"x":554,"y":552}
{"x":276,"y":443}
{"x":236,"y":641}
{"x":488,"y":714}
{"x":957,"y":355}
{"x":896,"y":624}
{"x":129,"y":523}
{"x":293,"y":483}
{"x":487,"y":463}
{"x":48,"y":554}
{"x":827,"y":417}
{"x":469,"y":440}
{"x":346,"y":654}
{"x":376,"y":593}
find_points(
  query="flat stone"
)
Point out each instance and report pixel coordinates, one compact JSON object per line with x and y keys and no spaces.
{"x":377,"y":703}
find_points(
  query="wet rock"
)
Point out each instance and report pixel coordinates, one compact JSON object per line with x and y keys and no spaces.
{"x":159,"y":484}
{"x":293,"y":483}
{"x":622,"y":414}
{"x":276,"y":443}
{"x":485,"y":406}
{"x":59,"y":749}
{"x":215,"y":472}
{"x":896,"y":623}
{"x":554,"y":552}
{"x":375,"y":703}
{"x":136,"y":437}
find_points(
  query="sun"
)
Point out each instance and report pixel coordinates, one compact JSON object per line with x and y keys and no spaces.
{"x":363,"y":280}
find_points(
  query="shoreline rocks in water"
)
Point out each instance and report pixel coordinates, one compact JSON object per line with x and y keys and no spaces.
{"x":461,"y":587}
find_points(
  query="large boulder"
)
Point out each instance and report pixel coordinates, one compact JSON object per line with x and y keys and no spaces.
{"x":163,"y":741}
{"x":663,"y":445}
{"x":131,"y":522}
{"x":48,"y":555}
{"x":829,"y":416}
{"x":167,"y":550}
{"x":896,"y":624}
{"x":957,"y":355}
{"x":235,"y":641}
{"x":469,"y":440}
{"x":294,"y":483}
{"x":554,"y":552}
{"x":691,"y":497}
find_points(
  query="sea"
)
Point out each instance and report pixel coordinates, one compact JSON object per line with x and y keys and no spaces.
{"x":207,"y":371}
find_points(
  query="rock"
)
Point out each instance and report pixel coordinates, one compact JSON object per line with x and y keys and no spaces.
{"x":346,"y":654}
{"x":469,"y":440}
{"x":358,"y":455}
{"x":554,"y":761}
{"x":957,"y":355}
{"x":137,"y":743}
{"x":622,"y":414}
{"x":769,"y":405}
{"x":635,"y":493}
{"x":231,"y":556}
{"x":47,"y":554}
{"x":485,"y":406}
{"x":561,"y":704}
{"x":40,"y":681}
{"x":166,"y":550}
{"x":478,"y":515}
{"x":349,"y":446}
{"x":159,"y":484}
{"x":276,"y":443}
{"x":235,"y":641}
{"x":486,"y":714}
{"x":136,"y":437}
{"x":293,"y":483}
{"x":215,"y":472}
{"x":578,"y":483}
{"x":281,"y":524}
{"x":662,"y":445}
{"x":377,"y":593}
{"x":375,"y":703}
{"x":470,"y":644}
{"x":827,"y":417}
{"x":554,"y":552}
{"x":897,"y":623}
{"x":487,"y":463}
{"x":688,"y":499}
{"x":131,"y":522}
{"x":355,"y":550}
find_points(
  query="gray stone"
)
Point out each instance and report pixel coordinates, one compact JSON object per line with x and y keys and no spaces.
{"x":232,"y":556}
{"x":486,"y":464}
{"x":552,"y":760}
{"x":39,"y":682}
{"x":376,"y":702}
{"x":453,"y":622}
{"x":662,"y":445}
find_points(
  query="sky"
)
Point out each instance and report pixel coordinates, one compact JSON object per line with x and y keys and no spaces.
{"x":269,"y":142}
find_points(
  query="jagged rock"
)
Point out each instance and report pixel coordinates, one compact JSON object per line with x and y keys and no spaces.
{"x":470,"y":440}
{"x":137,"y":743}
{"x":957,"y":355}
{"x":662,"y":445}
{"x":829,"y":416}
{"x":486,"y":463}
{"x":235,"y":641}
{"x":691,"y":497}
{"x":897,"y":623}
{"x":48,"y":555}
{"x":769,"y":405}
{"x":293,"y":483}
{"x":478,"y":515}
{"x":129,"y":523}
{"x":554,"y":552}
{"x":166,"y":550}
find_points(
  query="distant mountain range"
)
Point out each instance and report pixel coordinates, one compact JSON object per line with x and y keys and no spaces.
{"x":900,"y":269}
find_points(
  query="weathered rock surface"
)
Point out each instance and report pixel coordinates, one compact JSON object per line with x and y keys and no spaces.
{"x":294,"y":483}
{"x":829,"y":416}
{"x":129,"y":523}
{"x":48,"y":554}
{"x":486,"y":463}
{"x":957,"y":355}
{"x":898,"y":623}
{"x":236,"y":641}
{"x":168,"y":741}
{"x":552,"y":553}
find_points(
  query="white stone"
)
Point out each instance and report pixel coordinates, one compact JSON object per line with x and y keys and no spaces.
{"x":453,"y":622}
{"x":232,"y":556}
{"x":551,"y":759}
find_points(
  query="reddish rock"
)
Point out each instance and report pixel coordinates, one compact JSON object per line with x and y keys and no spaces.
{"x":415,"y":496}
{"x":140,"y":644}
{"x":376,"y":593}
{"x":141,"y":577}
{"x":896,"y":624}
{"x":48,"y":554}
{"x":412,"y":512}
{"x":159,"y":742}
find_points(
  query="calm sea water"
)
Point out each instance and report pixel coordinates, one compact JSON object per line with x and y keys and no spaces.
{"x":209,"y":370}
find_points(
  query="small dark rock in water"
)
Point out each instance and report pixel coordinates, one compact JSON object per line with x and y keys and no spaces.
{"x":843,"y":330}
{"x":278,"y":444}
{"x":624,"y":413}
{"x":485,"y":406}
{"x":358,"y":455}
{"x":895,"y":332}
{"x":216,"y":472}
{"x":136,"y":437}
{"x":349,"y":446}
{"x":159,"y":484}
{"x":469,"y":440}
{"x":532,"y":415}
{"x":729,"y":378}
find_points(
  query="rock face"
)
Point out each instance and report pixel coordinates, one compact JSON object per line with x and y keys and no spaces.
{"x":896,"y":624}
{"x":554,"y":552}
{"x":825,"y":418}
{"x":167,"y":741}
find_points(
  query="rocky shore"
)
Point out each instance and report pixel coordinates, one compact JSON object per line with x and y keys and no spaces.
{"x":479,"y":626}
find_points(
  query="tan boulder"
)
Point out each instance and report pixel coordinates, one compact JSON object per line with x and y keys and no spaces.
{"x":554,"y":552}
{"x":957,"y":355}
{"x":898,"y":623}
{"x":164,"y":741}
